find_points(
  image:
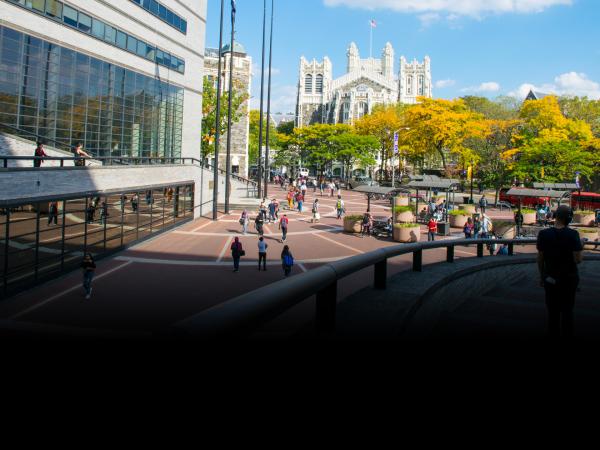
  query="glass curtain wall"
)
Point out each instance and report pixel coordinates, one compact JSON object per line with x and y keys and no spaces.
{"x":39,"y":241}
{"x":66,"y":96}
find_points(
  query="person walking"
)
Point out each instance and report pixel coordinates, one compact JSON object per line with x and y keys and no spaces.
{"x":89,"y":267}
{"x":300,"y":200}
{"x":483,"y":204}
{"x":287,"y":261}
{"x":367,"y":224}
{"x":331,"y":188}
{"x":123,"y":200}
{"x":258,"y":224}
{"x":276,"y":207}
{"x":91,"y":212}
{"x":431,"y":229}
{"x":476,"y":228}
{"x":39,"y":154}
{"x":468,"y":228}
{"x":262,"y":253}
{"x":237,"y":251}
{"x":272,"y":211}
{"x":315,"y":211}
{"x":290,"y":199}
{"x":283,"y":226}
{"x":80,"y":154}
{"x":53,"y":213}
{"x":559,"y":252}
{"x":263,"y":209}
{"x":135,"y":201}
{"x":103,"y":213}
{"x":339,"y":206}
{"x":244,"y":221}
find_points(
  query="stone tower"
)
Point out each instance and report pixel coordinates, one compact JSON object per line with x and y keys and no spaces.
{"x":414,"y":80}
{"x":313,"y":87}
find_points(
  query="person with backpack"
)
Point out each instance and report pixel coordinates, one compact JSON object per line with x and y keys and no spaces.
{"x":339,"y":206}
{"x":315,"y":211}
{"x":468,"y":228}
{"x":258,"y":224}
{"x":244,"y":221}
{"x":560,"y":251}
{"x":39,"y":153}
{"x":89,"y":267}
{"x":283,"y":226}
{"x":262,"y":253}
{"x":287,"y":261}
{"x":237,"y":251}
{"x":483,"y":204}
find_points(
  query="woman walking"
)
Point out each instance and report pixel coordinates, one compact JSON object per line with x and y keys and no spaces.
{"x":244,"y":221}
{"x":236,"y":253}
{"x":315,"y":211}
{"x":89,"y":267}
{"x":287,"y":261}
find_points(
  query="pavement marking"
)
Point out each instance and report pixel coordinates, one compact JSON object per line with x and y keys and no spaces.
{"x":225,"y":247}
{"x":191,"y":263}
{"x":304,"y":269}
{"x":294,"y":233}
{"x":60,"y":294}
{"x":340,"y":244}
{"x":269,"y":232}
{"x":201,"y":226}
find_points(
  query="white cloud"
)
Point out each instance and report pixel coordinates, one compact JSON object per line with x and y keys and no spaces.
{"x":283,"y":98}
{"x":256,"y":70}
{"x":488,"y":86}
{"x":441,"y":84}
{"x":570,"y":83}
{"x":473,"y":8}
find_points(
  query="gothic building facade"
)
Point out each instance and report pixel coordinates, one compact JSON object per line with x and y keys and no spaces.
{"x":367,"y":82}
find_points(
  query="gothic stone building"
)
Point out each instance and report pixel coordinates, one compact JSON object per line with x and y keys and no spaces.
{"x":242,"y":77}
{"x":367,"y":82}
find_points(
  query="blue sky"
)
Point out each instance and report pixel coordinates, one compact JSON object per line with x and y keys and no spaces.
{"x":477,"y":47}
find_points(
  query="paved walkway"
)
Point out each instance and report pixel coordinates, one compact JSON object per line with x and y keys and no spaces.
{"x":180,"y":273}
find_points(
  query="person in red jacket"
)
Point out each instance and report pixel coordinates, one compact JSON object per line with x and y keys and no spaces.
{"x":39,"y":154}
{"x":431,"y":229}
{"x":283,"y":226}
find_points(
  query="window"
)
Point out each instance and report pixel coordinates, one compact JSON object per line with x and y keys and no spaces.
{"x":163,"y":13}
{"x":54,"y":9}
{"x":98,"y":29}
{"x":110,"y":34}
{"x":85,"y":23}
{"x":38,"y":5}
{"x":319,"y":84}
{"x":308,"y":84}
{"x":141,"y":49}
{"x":70,"y":16}
{"x":132,"y":44}
{"x":421,"y":87}
{"x":409,"y":85}
{"x":121,"y":39}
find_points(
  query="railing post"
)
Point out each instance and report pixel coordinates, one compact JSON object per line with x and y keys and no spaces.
{"x":450,"y":254}
{"x":511,"y":249}
{"x":418,"y":261}
{"x":480,"y":250}
{"x":5,"y":164}
{"x":325,"y":309}
{"x":62,"y":162}
{"x":380,"y":274}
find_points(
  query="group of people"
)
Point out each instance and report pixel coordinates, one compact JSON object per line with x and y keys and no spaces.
{"x":237,"y":252}
{"x":77,"y":150}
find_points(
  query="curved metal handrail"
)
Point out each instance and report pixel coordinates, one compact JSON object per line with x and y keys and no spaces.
{"x":246,"y":313}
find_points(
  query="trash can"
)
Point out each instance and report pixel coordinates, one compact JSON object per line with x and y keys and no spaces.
{"x":466,"y":199}
{"x":443,"y":228}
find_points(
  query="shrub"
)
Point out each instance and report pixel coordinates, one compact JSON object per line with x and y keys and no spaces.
{"x":527,"y":211}
{"x":459,"y":212}
{"x":402,"y":209}
{"x":585,"y":213}
{"x":354,"y":218}
{"x":406,"y":225}
{"x":587,"y":230}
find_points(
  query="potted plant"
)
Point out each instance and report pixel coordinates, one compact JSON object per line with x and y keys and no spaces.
{"x":529,"y":216}
{"x":504,"y":229}
{"x":458,"y":217}
{"x":585,"y":218}
{"x":407,"y":232}
{"x":352,"y":224}
{"x":404,"y":214}
{"x":468,"y":208}
{"x":401,"y":200}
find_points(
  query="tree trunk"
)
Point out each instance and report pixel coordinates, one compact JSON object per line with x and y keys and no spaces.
{"x":440,"y":150}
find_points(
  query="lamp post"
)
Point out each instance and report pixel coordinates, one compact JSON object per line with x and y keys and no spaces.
{"x":472,"y":170}
{"x":218,"y":124}
{"x":228,"y":157}
{"x":262,"y":85}
{"x":267,"y":170}
{"x":395,"y":152}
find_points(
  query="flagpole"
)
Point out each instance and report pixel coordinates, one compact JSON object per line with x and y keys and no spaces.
{"x":267,"y":146}
{"x":371,"y":39}
{"x":260,"y":122}
{"x":228,"y":155}
{"x":215,"y":213}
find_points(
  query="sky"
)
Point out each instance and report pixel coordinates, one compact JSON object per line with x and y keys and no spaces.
{"x":477,"y":47}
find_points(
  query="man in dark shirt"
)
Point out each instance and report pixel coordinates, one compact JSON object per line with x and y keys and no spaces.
{"x":559,"y":253}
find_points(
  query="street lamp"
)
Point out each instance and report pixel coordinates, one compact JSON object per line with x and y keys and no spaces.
{"x":228,"y":156}
{"x":218,"y":124}
{"x":394,"y":153}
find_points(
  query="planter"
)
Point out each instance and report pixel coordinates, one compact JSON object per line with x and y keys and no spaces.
{"x":352,"y":225}
{"x":590,"y":235}
{"x":468,"y":208}
{"x":405,"y":217}
{"x":403,"y":234}
{"x":401,"y":201}
{"x":506,"y":230}
{"x":529,"y":219}
{"x":586,"y":220}
{"x":458,"y":221}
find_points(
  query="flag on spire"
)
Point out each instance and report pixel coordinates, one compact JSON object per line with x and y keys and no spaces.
{"x":373,"y":23}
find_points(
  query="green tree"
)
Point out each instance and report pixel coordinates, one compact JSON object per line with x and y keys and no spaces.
{"x":582,"y":108}
{"x":353,"y":149}
{"x":209,"y":113}
{"x":491,"y":109}
{"x":254,"y":135}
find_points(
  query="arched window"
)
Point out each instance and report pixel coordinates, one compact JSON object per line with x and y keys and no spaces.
{"x":409,"y":81}
{"x":345,"y":112}
{"x":308,"y":84}
{"x":363,"y":110}
{"x":319,"y":84}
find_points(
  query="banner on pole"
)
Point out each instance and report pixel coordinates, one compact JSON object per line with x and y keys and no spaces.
{"x":395,"y":143}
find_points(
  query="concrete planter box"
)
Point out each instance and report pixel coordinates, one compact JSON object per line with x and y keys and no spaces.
{"x":405,"y":217}
{"x":529,"y":219}
{"x":412,"y":234}
{"x":401,"y":201}
{"x":589,"y":235}
{"x":351,"y":225}
{"x":584,"y":219}
{"x":458,"y":221}
{"x":505,"y":230}
{"x":468,"y":208}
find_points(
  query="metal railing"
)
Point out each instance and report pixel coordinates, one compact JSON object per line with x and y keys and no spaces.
{"x":20,"y":132}
{"x":244,"y":314}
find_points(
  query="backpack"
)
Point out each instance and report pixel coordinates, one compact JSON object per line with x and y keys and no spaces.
{"x":339,"y":204}
{"x":288,"y":260}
